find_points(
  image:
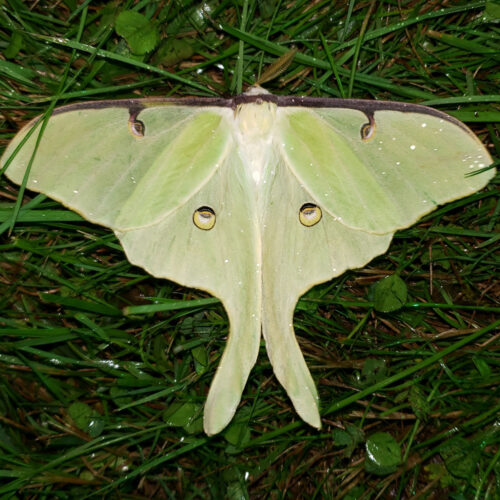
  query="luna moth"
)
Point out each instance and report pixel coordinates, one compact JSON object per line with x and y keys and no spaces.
{"x":253,"y":199}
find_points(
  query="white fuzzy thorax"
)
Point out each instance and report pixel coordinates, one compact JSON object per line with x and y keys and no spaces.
{"x":255,"y":124}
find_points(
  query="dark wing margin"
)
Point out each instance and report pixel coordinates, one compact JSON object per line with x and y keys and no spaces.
{"x":368,"y":107}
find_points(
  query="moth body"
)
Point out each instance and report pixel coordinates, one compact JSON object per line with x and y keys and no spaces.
{"x":254,"y":136}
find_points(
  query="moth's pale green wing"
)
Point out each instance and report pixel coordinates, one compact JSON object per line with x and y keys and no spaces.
{"x":223,"y":261}
{"x":298,"y":257}
{"x":369,"y":176}
{"x":147,"y":180}
{"x":97,"y":162}
{"x":408,"y":164}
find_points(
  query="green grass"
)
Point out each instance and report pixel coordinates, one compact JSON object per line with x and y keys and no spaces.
{"x":97,"y":403}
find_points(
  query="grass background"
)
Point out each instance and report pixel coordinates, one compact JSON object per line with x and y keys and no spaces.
{"x":96,"y":403}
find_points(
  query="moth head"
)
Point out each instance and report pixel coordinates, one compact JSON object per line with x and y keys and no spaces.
{"x":256,"y":118}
